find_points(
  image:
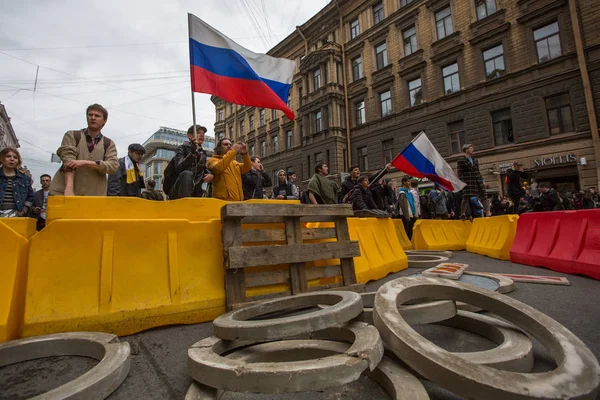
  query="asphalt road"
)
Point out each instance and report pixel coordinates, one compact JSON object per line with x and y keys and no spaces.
{"x":159,"y":356}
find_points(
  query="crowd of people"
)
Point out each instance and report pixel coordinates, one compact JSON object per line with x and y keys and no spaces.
{"x":90,"y":167}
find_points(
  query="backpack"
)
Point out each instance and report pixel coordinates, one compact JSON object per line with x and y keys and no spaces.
{"x":77,"y":136}
{"x":169,"y":176}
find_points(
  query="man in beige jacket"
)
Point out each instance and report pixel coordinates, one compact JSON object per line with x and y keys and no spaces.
{"x":87,"y":157}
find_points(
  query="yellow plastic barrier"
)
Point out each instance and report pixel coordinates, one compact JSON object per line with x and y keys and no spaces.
{"x":401,"y":233}
{"x":13,"y":271}
{"x":23,"y":226}
{"x":494,"y":236}
{"x":432,"y":234}
{"x":123,"y":276}
{"x":192,"y":209}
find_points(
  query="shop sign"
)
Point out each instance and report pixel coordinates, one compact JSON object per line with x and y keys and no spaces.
{"x":555,"y":160}
{"x":171,"y":142}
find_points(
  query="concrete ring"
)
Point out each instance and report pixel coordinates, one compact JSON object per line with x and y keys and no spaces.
{"x":514,"y":351}
{"x":577,"y":374}
{"x":506,"y":285}
{"x":415,"y":314}
{"x":343,"y":307}
{"x":442,"y":253}
{"x":207,"y":366}
{"x":97,"y":383}
{"x":425,"y":260}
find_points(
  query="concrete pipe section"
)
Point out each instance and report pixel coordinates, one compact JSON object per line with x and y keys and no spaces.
{"x":343,"y":307}
{"x":97,"y":383}
{"x":441,"y":253}
{"x":395,"y":380}
{"x":424,"y":260}
{"x":577,"y":375}
{"x":208,"y":366}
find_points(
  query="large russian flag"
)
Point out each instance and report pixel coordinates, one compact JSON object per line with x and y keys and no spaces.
{"x":422,"y":160}
{"x":222,"y":67}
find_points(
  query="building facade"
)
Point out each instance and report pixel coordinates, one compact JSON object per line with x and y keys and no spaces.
{"x":160,"y":149}
{"x":371,"y":75}
{"x":8,"y":138}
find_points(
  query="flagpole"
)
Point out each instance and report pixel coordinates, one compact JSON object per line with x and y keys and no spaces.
{"x":192,"y":76}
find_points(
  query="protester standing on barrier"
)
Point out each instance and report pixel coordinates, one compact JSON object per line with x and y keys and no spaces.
{"x":549,"y":199}
{"x":256,"y":180}
{"x":349,"y":183}
{"x":515,"y":189}
{"x":128,"y":181}
{"x":361,"y":197}
{"x":16,"y":193}
{"x":227,"y":182}
{"x":40,"y":202}
{"x":468,"y":172}
{"x":151,"y":193}
{"x":284,"y":190}
{"x":406,"y":206}
{"x":87,"y":156}
{"x":186,"y":174}
{"x":322,"y":190}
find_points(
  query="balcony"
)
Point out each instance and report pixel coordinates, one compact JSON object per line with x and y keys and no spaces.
{"x":320,"y":56}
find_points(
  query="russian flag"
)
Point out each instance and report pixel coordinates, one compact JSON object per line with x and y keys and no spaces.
{"x":222,"y":67}
{"x":422,"y":160}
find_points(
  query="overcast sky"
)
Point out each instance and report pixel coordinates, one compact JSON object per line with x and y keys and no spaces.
{"x":130,"y":56}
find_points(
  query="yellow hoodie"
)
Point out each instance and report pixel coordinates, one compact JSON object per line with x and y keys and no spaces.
{"x":227,"y":181}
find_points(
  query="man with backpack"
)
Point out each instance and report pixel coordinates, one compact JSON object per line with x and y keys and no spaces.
{"x":87,"y":157}
{"x":186,"y":172}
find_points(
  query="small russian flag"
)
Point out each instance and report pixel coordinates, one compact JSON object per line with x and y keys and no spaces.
{"x":221,"y":67}
{"x":421,"y":159}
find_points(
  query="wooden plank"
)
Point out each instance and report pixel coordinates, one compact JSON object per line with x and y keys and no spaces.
{"x":358,"y":288}
{"x":254,"y":256}
{"x":323,"y":272}
{"x":254,"y":279}
{"x":235,"y":286}
{"x":348,"y":272}
{"x":239,"y":210}
{"x":278,"y":235}
{"x":280,"y":220}
{"x":293,"y":233}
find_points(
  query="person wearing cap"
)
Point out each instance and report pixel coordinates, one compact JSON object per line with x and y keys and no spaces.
{"x":468,"y":172}
{"x":515,"y":190}
{"x":128,"y":181}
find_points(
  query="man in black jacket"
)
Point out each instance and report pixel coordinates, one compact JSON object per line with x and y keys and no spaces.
{"x":256,"y":180}
{"x":362,"y":199}
{"x":40,"y":202}
{"x":350,"y":182}
{"x":515,"y":189}
{"x":128,"y":180}
{"x":549,"y":199}
{"x":187,"y":171}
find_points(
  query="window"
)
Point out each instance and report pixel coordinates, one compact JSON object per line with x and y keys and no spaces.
{"x":274,"y":144}
{"x":148,"y":171}
{"x":251,"y":123}
{"x":300,"y":95}
{"x":388,"y":150}
{"x":357,"y":70}
{"x":415,"y":92}
{"x":485,"y":8}
{"x":342,"y":114}
{"x":289,"y":139}
{"x":502,"y":124}
{"x":339,"y":73}
{"x":262,"y":117}
{"x":493,"y":59}
{"x":220,"y":114}
{"x":361,"y":116}
{"x":547,"y":42}
{"x":451,"y":81}
{"x":385,"y":99}
{"x":241,"y":128}
{"x":318,"y":121}
{"x":405,"y":2}
{"x":443,"y":22}
{"x":377,"y":13}
{"x":318,"y":158}
{"x":231,"y":109}
{"x":158,"y":181}
{"x":316,"y":79}
{"x":157,"y":167}
{"x":560,"y":118}
{"x":354,"y":29}
{"x":381,"y":55}
{"x":363,"y":163}
{"x":163,"y":153}
{"x":410,"y":40}
{"x":252,"y":151}
{"x":263,"y":149}
{"x":273,"y":115}
{"x":456,"y":130}
{"x":289,"y":100}
{"x":230,"y":130}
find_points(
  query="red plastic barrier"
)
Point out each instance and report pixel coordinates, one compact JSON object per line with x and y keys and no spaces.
{"x":564,"y":241}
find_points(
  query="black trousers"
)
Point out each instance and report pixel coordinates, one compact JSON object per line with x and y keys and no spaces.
{"x":514,"y":209}
{"x":40,"y":224}
{"x":408,"y":226}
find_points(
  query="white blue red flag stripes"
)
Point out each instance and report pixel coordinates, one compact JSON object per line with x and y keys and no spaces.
{"x":221,"y":67}
{"x":420,"y":159}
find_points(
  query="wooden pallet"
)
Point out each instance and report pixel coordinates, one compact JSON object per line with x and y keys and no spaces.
{"x":260,"y":235}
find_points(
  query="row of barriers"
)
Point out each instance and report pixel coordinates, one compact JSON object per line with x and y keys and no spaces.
{"x":132,"y":265}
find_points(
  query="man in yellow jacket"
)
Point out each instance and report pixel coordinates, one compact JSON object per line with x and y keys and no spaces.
{"x":227,"y":181}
